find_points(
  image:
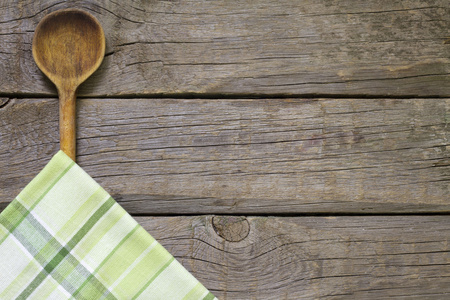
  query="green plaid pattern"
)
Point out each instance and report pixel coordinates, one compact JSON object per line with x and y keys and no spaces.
{"x":64,"y":237}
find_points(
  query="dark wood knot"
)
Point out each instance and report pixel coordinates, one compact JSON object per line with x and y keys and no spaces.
{"x":231,"y":228}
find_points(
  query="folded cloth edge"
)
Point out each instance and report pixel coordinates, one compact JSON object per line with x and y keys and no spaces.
{"x":36,"y":212}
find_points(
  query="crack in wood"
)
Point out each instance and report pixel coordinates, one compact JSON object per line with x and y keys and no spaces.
{"x":4,"y":102}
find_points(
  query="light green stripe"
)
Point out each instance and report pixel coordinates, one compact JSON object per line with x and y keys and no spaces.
{"x":106,"y":259}
{"x":48,"y":269}
{"x":79,"y":217}
{"x":44,"y":179}
{"x":90,"y":223}
{"x":52,"y":185}
{"x":13,"y":215}
{"x":102,"y":228}
{"x":195,"y":293}
{"x":32,"y":286}
{"x":153,"y":278}
{"x":3,"y":231}
{"x":38,"y":200}
{"x":150,"y":264}
{"x":210,"y":296}
{"x":22,"y":279}
{"x":46,"y":289}
{"x":124,"y":257}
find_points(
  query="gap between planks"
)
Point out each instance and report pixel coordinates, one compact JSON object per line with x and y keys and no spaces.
{"x":237,"y":96}
{"x":297,"y":215}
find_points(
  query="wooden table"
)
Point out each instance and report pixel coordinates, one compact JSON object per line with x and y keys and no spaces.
{"x":279,"y":149}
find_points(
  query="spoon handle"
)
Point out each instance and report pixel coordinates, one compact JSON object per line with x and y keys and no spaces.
{"x":67,"y":121}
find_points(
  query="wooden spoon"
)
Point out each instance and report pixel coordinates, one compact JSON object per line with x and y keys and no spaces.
{"x":68,"y":46}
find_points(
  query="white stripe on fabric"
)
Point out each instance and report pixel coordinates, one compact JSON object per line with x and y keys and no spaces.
{"x":54,"y":210}
{"x":63,"y":290}
{"x":108,"y":242}
{"x":13,"y":262}
{"x":30,"y":261}
{"x":130,"y":268}
{"x":162,"y":287}
{"x":46,"y":227}
{"x":204,"y":294}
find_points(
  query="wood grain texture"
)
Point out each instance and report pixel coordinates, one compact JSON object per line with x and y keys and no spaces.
{"x":315,"y":257}
{"x":265,"y":156}
{"x":235,"y":157}
{"x":325,"y":47}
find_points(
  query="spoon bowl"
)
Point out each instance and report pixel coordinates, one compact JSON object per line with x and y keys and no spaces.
{"x":68,"y":46}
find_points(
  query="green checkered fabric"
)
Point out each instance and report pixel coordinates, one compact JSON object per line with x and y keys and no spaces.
{"x":64,"y":237}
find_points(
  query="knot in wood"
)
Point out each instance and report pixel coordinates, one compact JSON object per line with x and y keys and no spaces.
{"x":231,"y":228}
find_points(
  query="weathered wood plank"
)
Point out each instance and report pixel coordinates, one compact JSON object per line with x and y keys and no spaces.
{"x":312,"y":258}
{"x":266,"y":156}
{"x":388,"y":47}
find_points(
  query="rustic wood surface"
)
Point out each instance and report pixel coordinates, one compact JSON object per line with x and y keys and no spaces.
{"x":313,"y":257}
{"x":386,"y":47}
{"x":169,"y":156}
{"x":218,"y":110}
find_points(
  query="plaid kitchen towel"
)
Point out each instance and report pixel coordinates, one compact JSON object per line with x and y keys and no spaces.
{"x":64,"y":237}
